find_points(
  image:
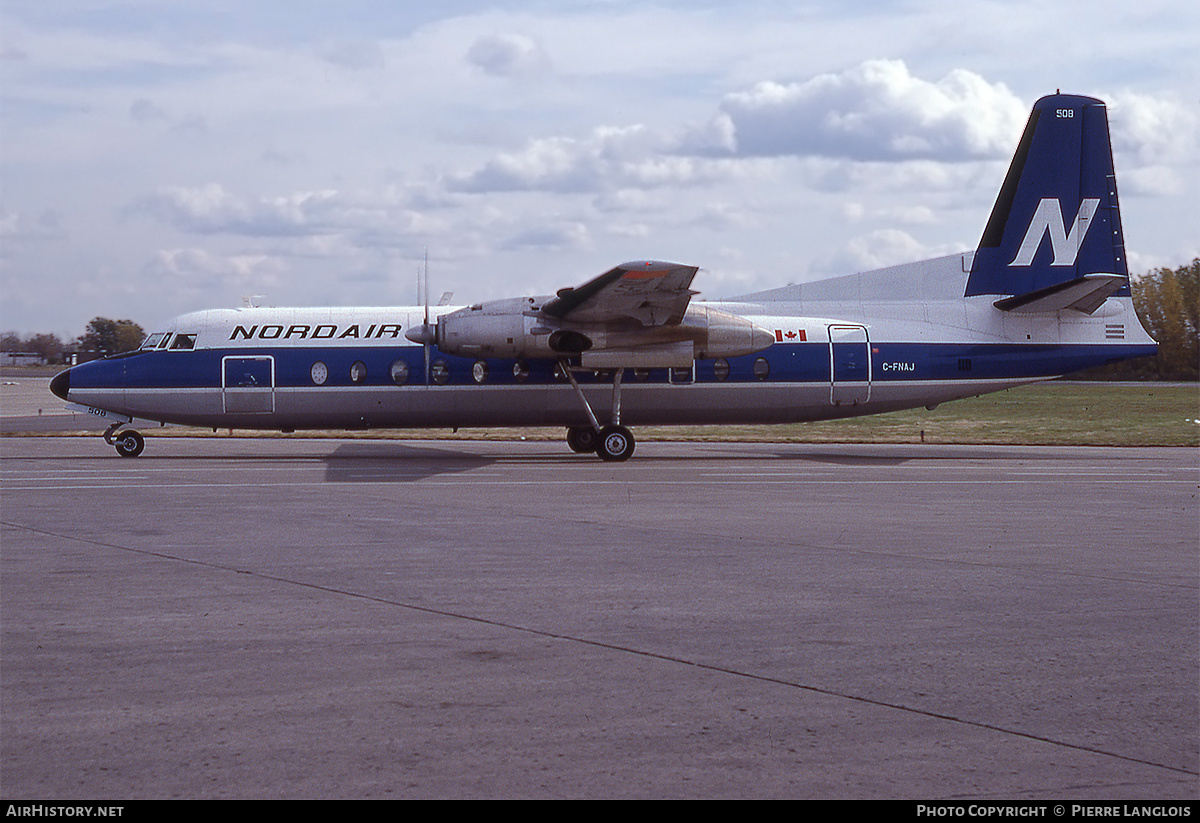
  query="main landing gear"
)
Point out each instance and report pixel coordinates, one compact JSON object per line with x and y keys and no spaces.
{"x":129,"y":443}
{"x":612,"y":443}
{"x":616,"y":444}
{"x":582,"y":439}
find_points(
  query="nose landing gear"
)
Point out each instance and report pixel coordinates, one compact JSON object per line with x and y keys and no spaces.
{"x":128,"y":443}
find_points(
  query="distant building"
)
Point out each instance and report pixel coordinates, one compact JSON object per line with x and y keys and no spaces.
{"x":21,"y":358}
{"x":74,"y":358}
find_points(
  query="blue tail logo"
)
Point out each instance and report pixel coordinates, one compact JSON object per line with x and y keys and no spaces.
{"x":1048,"y":219}
{"x":1063,"y":165}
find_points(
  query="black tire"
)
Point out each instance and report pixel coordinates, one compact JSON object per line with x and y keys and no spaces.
{"x":582,"y":439}
{"x":615,"y":444}
{"x":129,"y":444}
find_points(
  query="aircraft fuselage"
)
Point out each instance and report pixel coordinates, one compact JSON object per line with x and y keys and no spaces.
{"x":291,"y":369}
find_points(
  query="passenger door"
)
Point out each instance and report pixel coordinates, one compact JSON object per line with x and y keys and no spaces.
{"x":849,"y":364}
{"x":248,"y":384}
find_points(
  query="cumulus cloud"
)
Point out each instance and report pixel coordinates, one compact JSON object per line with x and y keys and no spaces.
{"x":722,"y":217}
{"x":569,"y":235}
{"x":907,"y":215}
{"x":18,"y":230}
{"x":508,"y":55}
{"x":874,"y":111}
{"x":1153,"y":138}
{"x":884,"y":247}
{"x":1155,"y":130}
{"x":1152,"y":181}
{"x":204,"y":269}
{"x":212,"y":209}
{"x":610,"y":158}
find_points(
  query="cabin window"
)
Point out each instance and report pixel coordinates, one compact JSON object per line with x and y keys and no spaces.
{"x":762,"y":369}
{"x":479,"y":371}
{"x":319,"y":373}
{"x":358,"y":372}
{"x":183,"y":342}
{"x":400,"y":372}
{"x":641,"y":375}
{"x":559,"y":374}
{"x":520,"y":371}
{"x":153,"y":340}
{"x":679,"y":374}
{"x":439,"y":372}
{"x":721,"y":368}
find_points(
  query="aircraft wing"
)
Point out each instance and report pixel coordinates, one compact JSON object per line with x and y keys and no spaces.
{"x":650,"y":292}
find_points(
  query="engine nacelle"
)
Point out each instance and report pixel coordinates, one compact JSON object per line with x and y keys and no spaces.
{"x":515,"y":328}
{"x":502,"y":328}
{"x":724,"y":334}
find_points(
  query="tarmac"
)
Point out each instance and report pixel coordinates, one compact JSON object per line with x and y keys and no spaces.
{"x":262,"y":618}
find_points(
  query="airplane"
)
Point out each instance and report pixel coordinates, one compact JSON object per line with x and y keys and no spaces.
{"x":1045,"y":293}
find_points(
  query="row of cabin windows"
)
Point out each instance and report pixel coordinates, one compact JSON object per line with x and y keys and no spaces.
{"x":439,"y":372}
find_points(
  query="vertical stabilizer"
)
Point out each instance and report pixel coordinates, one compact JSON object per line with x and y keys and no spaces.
{"x":1056,"y":228}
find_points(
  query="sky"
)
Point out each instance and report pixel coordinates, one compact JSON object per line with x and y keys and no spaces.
{"x":160,"y":157}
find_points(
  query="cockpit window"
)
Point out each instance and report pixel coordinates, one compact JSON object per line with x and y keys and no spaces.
{"x":153,"y":340}
{"x":183,"y":341}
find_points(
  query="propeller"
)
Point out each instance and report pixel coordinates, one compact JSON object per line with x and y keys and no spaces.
{"x":425,"y":334}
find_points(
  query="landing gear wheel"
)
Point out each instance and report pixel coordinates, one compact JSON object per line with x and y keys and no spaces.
{"x":582,"y":439}
{"x":615,"y":445}
{"x":129,"y":443}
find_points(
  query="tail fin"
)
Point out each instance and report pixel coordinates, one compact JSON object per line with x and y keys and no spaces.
{"x":1061,"y":183}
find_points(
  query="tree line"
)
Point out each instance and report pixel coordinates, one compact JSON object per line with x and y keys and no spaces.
{"x":1166,"y":300}
{"x":1168,"y":303}
{"x":102,"y":338}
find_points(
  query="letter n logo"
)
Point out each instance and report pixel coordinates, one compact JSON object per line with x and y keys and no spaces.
{"x":1048,"y":218}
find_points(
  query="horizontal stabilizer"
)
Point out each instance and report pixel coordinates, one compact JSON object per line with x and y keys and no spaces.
{"x":1085,"y":294}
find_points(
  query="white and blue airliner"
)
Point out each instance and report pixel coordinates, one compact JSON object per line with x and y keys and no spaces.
{"x":1045,"y":293}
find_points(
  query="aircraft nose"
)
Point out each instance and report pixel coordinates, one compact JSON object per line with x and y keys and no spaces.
{"x":61,"y":384}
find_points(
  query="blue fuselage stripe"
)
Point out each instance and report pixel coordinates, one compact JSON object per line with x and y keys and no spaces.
{"x":788,"y":363}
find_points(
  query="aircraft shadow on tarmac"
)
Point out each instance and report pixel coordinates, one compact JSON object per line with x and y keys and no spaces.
{"x":398,"y":462}
{"x":390,"y":461}
{"x":381,"y":462}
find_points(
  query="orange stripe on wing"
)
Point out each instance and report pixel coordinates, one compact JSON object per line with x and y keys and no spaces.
{"x":638,"y":274}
